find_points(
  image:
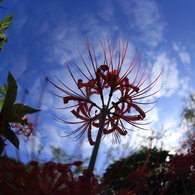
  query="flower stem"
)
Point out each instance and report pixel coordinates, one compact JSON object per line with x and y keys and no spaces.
{"x":98,"y":139}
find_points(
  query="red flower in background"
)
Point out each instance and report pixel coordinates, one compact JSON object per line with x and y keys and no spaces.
{"x":120,"y":93}
{"x":26,"y":130}
{"x":51,"y":178}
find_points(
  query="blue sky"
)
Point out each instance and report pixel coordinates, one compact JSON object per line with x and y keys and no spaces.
{"x":44,"y":32}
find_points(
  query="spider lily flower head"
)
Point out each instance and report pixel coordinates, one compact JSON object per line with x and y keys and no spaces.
{"x":121,"y":93}
{"x":26,"y":131}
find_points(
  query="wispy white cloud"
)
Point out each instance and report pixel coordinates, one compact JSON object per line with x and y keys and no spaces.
{"x":145,"y":18}
{"x":175,"y":46}
{"x":105,"y":10}
{"x":170,"y":77}
{"x":145,"y":22}
{"x":20,"y":20}
{"x":186,"y":86}
{"x":183,"y":54}
{"x":174,"y":85}
{"x":185,"y":57}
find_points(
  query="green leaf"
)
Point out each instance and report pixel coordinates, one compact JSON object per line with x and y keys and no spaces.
{"x":3,"y":37}
{"x":5,"y":88}
{"x":15,"y":113}
{"x":5,"y":23}
{"x":2,"y":95}
{"x":11,"y":136}
{"x":1,"y":45}
{"x":5,"y":131}
{"x":2,"y":89}
{"x":24,"y":122}
{"x":11,"y":93}
{"x":1,"y":103}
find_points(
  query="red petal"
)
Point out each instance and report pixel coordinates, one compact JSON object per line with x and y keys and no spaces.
{"x":104,"y":67}
{"x":89,"y":136}
{"x":142,"y":113}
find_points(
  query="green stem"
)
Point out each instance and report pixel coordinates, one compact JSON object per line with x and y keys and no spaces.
{"x":98,"y":139}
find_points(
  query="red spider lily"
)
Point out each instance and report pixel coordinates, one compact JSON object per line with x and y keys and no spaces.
{"x":111,"y":79}
{"x":51,"y":178}
{"x":26,"y":131}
